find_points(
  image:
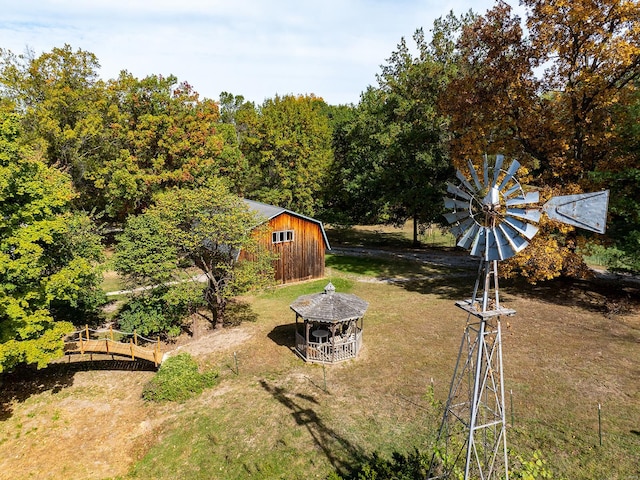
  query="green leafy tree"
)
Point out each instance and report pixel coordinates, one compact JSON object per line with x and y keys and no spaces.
{"x":61,"y":98}
{"x":48,"y":255}
{"x":350,"y":195}
{"x":206,"y":228}
{"x":416,"y":161}
{"x":289,"y":151}
{"x":392,"y":159}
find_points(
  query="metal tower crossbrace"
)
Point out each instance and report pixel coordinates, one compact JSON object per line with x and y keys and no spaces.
{"x":494,"y":218}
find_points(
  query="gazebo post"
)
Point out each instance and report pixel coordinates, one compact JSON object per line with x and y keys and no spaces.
{"x":332,"y":329}
{"x":307,"y":327}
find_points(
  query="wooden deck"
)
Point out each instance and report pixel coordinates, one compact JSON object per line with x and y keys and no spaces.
{"x":113,"y":342}
{"x":343,"y":348}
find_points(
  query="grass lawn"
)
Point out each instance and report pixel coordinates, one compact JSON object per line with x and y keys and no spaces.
{"x":276,"y":419}
{"x":571,"y":346}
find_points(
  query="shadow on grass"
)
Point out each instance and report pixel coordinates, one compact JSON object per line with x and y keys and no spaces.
{"x":24,"y":382}
{"x":284,"y":335}
{"x":328,"y":441}
{"x":609,"y":297}
{"x":350,"y":237}
{"x":238,"y":312}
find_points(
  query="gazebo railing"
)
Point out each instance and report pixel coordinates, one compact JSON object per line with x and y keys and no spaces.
{"x":342,"y":348}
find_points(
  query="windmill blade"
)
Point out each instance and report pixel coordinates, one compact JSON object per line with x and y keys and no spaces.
{"x":474,"y":175}
{"x":513,"y":168}
{"x":452,"y":203}
{"x":529,"y":198}
{"x":461,"y":228}
{"x":464,"y":181}
{"x":451,"y":188}
{"x":515,"y":238}
{"x":525,"y":229}
{"x":501,"y":248}
{"x":456,"y":216}
{"x":585,"y":210}
{"x":479,"y":243}
{"x":469,"y":236}
{"x":497,"y":168}
{"x":512,"y":190}
{"x":490,"y":248}
{"x":485,"y":170}
{"x":528,"y":214}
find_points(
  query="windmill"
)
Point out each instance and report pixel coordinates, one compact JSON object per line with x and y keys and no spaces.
{"x":494,"y":217}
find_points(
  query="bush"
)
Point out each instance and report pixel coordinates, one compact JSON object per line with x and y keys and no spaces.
{"x":157,"y":312}
{"x":178,"y":379}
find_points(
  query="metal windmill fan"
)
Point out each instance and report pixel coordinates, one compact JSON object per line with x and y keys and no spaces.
{"x":493,"y":217}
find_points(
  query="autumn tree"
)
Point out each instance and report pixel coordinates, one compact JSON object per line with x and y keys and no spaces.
{"x":289,"y":151}
{"x":206,"y":228}
{"x":592,"y":49}
{"x":120,"y":141}
{"x":558,"y":124}
{"x":161,"y":135}
{"x":48,"y":255}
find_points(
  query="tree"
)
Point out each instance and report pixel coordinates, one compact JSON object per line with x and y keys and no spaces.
{"x":350,"y":194}
{"x":123,"y":140}
{"x":289,"y":151}
{"x":559,"y":125}
{"x":60,"y":98}
{"x":205,"y":227}
{"x":392,"y":160}
{"x":416,"y":161}
{"x":48,"y":255}
{"x":593,"y":51}
{"x":161,"y":135}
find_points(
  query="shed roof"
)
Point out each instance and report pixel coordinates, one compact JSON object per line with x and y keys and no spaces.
{"x":329,"y":306}
{"x":271,"y":211}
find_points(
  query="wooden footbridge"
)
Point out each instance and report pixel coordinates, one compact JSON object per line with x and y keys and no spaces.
{"x":113,"y":342}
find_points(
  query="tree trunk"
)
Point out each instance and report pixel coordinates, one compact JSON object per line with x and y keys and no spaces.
{"x":217,"y":303}
{"x":416,"y":243}
{"x":218,"y":313}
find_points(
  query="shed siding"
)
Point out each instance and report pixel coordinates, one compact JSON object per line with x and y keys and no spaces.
{"x":302,"y":258}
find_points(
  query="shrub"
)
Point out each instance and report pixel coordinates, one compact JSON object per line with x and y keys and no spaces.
{"x":178,"y":379}
{"x":156,"y":312}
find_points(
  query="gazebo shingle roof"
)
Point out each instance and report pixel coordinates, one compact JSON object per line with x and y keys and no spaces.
{"x":330,"y":307}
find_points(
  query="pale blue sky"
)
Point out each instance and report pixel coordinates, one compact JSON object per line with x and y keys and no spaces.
{"x":254,"y":48}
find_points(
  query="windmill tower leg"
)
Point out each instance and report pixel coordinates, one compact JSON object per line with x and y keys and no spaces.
{"x":474,"y":422}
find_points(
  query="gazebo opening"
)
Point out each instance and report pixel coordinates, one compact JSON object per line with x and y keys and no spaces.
{"x":329,"y":325}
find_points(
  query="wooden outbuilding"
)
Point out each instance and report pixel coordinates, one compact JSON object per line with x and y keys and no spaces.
{"x":299,"y":241}
{"x":329,"y":325}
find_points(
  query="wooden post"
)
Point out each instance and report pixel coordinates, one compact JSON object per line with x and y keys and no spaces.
{"x":111,"y":332}
{"x":332,"y":329}
{"x":81,"y":344}
{"x":307,"y":326}
{"x":133,"y":357}
{"x":106,"y":343}
{"x":86,"y":329}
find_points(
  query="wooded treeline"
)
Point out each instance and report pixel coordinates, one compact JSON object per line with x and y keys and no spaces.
{"x":558,"y":90}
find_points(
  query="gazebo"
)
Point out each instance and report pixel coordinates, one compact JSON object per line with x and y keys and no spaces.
{"x":329,"y":325}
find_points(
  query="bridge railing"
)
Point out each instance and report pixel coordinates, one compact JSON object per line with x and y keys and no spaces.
{"x":113,"y":342}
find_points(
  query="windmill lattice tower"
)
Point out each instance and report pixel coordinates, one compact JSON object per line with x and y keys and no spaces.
{"x":494,"y":218}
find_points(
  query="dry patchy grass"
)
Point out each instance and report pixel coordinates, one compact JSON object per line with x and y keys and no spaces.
{"x":281,"y":418}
